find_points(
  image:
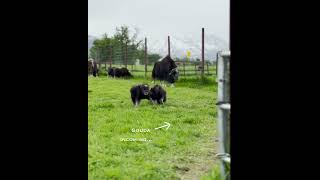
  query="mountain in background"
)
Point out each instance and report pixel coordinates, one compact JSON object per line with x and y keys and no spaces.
{"x":180,"y":44}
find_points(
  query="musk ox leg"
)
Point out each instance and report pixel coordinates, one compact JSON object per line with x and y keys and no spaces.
{"x":137,"y":102}
{"x":133,"y":100}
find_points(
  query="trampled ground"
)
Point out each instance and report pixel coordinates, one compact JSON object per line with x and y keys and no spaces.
{"x":185,"y":151}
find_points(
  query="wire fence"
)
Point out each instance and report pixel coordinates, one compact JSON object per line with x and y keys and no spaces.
{"x":140,"y":62}
{"x":134,"y":63}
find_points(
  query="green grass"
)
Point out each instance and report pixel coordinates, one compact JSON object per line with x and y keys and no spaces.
{"x":185,"y":151}
{"x":214,"y":174}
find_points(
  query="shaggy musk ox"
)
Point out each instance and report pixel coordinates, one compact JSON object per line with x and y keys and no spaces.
{"x":92,"y":68}
{"x":165,"y":70}
{"x":89,"y":68}
{"x":158,"y":94}
{"x":139,"y":92}
{"x":119,"y":72}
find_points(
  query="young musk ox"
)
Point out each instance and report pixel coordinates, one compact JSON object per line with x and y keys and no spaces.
{"x":165,"y":70}
{"x":158,"y":94}
{"x":139,"y":92}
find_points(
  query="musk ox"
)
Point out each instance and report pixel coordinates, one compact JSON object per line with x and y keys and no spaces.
{"x":92,"y":67}
{"x":89,"y":67}
{"x":165,"y":70}
{"x":119,"y":72}
{"x":158,"y":94}
{"x":139,"y":92}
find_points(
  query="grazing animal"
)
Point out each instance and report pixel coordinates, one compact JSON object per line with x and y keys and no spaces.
{"x":125,"y":72}
{"x":158,"y":94}
{"x":165,"y":70}
{"x":111,"y":72}
{"x":119,"y":72}
{"x":139,"y":92}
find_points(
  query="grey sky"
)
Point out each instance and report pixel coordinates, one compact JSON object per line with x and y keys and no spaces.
{"x":159,"y":18}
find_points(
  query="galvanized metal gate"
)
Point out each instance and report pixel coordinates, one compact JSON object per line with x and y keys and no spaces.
{"x":224,"y":110}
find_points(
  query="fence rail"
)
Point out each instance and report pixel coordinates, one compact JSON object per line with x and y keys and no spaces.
{"x":185,"y":68}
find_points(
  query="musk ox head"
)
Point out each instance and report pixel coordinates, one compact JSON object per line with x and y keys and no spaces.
{"x":173,"y":75}
{"x":145,"y":89}
{"x":110,"y":71}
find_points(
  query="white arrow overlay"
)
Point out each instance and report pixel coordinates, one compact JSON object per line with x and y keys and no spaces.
{"x":167,"y":125}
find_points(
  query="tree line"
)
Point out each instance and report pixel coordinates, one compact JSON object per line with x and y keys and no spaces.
{"x":116,"y":45}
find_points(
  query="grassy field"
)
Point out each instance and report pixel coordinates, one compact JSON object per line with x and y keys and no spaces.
{"x":185,"y":151}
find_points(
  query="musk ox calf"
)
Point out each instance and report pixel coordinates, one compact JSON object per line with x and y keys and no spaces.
{"x":158,"y":94}
{"x":139,"y":92}
{"x":165,"y":70}
{"x":119,"y":72}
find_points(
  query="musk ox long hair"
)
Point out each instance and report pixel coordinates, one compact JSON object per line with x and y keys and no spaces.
{"x":165,"y":70}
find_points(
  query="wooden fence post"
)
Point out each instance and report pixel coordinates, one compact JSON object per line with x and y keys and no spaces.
{"x":145,"y":57}
{"x":202,"y":53}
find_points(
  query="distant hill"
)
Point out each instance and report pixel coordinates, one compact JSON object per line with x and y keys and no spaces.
{"x":180,"y":44}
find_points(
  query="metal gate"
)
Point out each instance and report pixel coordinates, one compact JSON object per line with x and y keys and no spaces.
{"x":224,"y":110}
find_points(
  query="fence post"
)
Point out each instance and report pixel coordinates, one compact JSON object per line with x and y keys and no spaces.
{"x":217,"y":56}
{"x":110,"y":56}
{"x":122,"y":55}
{"x":208,"y":67}
{"x":202,"y":53}
{"x":169,"y":45}
{"x":224,"y":108}
{"x":100,"y":58}
{"x":126,"y":56}
{"x":145,"y":57}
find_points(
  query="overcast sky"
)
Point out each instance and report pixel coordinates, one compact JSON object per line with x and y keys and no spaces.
{"x":159,"y":18}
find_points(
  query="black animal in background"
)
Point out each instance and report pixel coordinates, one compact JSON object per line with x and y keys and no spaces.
{"x":165,"y":70}
{"x":94,"y":68}
{"x":119,"y":72}
{"x":111,"y":72}
{"x":139,"y":92}
{"x":158,"y":94}
{"x":125,"y":72}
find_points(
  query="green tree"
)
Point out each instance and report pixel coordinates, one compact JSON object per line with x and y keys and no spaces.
{"x":122,"y":37}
